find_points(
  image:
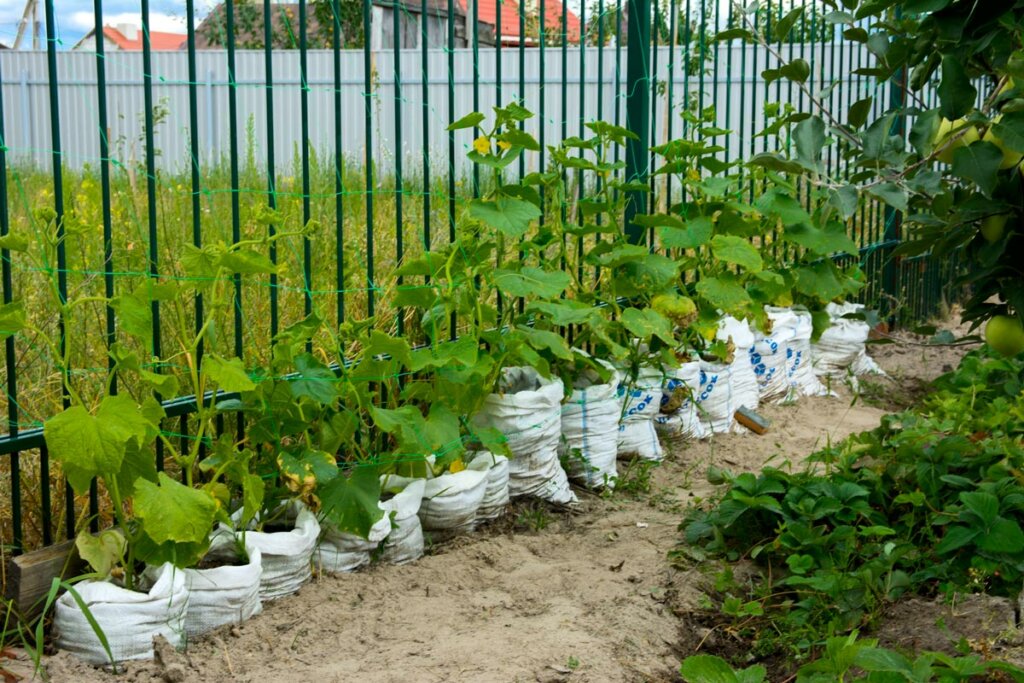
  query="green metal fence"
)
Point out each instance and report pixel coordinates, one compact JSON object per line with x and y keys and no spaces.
{"x":371,"y":200}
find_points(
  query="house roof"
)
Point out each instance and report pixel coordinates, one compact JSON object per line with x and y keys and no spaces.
{"x":158,"y":40}
{"x":487,"y":11}
{"x":284,"y":23}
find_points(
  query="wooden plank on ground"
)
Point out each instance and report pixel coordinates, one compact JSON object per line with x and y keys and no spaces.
{"x":29,"y":576}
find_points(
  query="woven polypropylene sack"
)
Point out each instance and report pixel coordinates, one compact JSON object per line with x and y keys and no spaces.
{"x":679,"y":418}
{"x":716,"y":401}
{"x":405,"y":542}
{"x":451,"y":501}
{"x":744,"y":381}
{"x":641,"y":404}
{"x":528,"y":413}
{"x":590,"y":430}
{"x":799,"y":368}
{"x":496,"y":494}
{"x":129,"y":619}
{"x":287,"y":555}
{"x":342,"y":551}
{"x":228,"y":594}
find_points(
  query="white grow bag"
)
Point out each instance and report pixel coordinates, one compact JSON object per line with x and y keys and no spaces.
{"x":451,"y":501}
{"x":129,"y":619}
{"x":682,"y":386}
{"x":841,"y":352}
{"x":590,"y":431}
{"x":768,"y":358}
{"x":287,"y":555}
{"x":716,"y":402}
{"x":341,"y":551}
{"x":641,"y":404}
{"x":799,"y":368}
{"x":744,"y":381}
{"x":496,"y":494}
{"x":405,"y":542}
{"x":229,"y":594}
{"x":529,"y":414}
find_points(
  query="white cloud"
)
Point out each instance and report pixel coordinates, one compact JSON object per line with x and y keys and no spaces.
{"x":158,"y":21}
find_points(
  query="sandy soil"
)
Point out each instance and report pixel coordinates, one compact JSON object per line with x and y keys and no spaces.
{"x":590,"y":596}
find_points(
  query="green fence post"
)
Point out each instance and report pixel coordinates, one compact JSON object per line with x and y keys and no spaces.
{"x":893,"y":218}
{"x":638,"y":109}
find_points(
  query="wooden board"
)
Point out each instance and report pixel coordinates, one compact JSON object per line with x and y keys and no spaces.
{"x":29,"y":576}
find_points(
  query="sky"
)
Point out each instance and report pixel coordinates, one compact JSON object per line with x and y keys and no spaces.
{"x":75,"y":17}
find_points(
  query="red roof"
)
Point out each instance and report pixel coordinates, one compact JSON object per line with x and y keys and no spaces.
{"x":158,"y":40}
{"x":487,"y":12}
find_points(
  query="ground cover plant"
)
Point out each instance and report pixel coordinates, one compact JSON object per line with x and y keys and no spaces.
{"x":929,"y":503}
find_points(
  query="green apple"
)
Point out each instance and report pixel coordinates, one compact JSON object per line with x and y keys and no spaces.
{"x":993,"y":227}
{"x":1010,"y":157}
{"x":1005,"y":334}
{"x":948,"y":128}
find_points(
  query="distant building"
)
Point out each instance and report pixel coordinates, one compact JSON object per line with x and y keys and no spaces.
{"x":249,"y":26}
{"x":128,"y":38}
{"x":487,"y":11}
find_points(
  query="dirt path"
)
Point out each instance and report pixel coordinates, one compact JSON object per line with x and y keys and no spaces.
{"x":588,"y":597}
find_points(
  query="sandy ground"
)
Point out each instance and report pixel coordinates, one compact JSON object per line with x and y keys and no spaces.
{"x":591,"y":596}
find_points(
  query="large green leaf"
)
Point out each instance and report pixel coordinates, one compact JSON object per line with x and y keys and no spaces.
{"x":462,"y":351}
{"x":546,"y":340}
{"x":229,"y":374}
{"x":564,"y":312}
{"x":93,"y":445}
{"x":821,"y":280}
{"x":1010,"y":129}
{"x":312,"y":379}
{"x":979,"y":162}
{"x":833,"y":239}
{"x":1004,"y":536}
{"x":956,"y":91}
{"x":173,"y":512}
{"x":468,"y":121}
{"x":809,"y":136}
{"x":778,"y":202}
{"x":507,"y":214}
{"x":984,"y":505}
{"x":646,"y":323}
{"x":247,"y":262}
{"x":307,"y":468}
{"x":651,"y":274}
{"x":890,"y":193}
{"x":350,"y":503}
{"x":707,"y":669}
{"x":12,"y":319}
{"x":724,"y":292}
{"x":845,"y":200}
{"x":532,"y":282}
{"x":697,"y":232}
{"x":102,"y":551}
{"x":736,"y":250}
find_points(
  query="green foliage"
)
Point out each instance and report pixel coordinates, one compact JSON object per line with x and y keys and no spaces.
{"x":853,"y":659}
{"x":929,"y":502}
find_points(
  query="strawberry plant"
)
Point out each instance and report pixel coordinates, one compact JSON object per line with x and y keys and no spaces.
{"x":927,"y":503}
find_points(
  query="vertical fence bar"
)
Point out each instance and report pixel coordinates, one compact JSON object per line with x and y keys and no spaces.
{"x":154,"y":252}
{"x":637,"y":109}
{"x":452,"y":116}
{"x":236,"y":225}
{"x":307,"y":245}
{"x":368,"y":127}
{"x":541,"y":36}
{"x":653,"y":85}
{"x":268,"y":69}
{"x":193,"y":139}
{"x":522,"y":83}
{"x":475,"y":45}
{"x":670,"y":90}
{"x":397,"y":56}
{"x":57,"y":157}
{"x":425,"y":123}
{"x":497,"y":53}
{"x":110,"y":335}
{"x":339,"y":169}
{"x":10,"y":361}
